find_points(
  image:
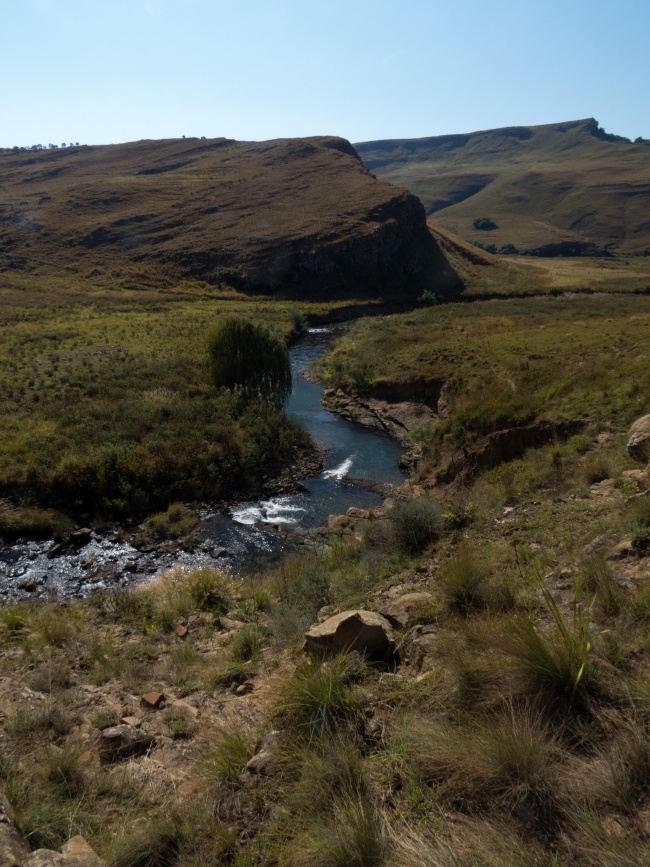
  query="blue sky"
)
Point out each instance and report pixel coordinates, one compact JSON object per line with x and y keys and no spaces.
{"x":100,"y":71}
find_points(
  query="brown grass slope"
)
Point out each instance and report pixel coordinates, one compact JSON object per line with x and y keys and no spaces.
{"x":542,"y":185}
{"x":291,"y":216}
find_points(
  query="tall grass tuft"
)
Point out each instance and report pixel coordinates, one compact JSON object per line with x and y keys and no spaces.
{"x":320,"y":698}
{"x":354,"y":834}
{"x":555,"y":668}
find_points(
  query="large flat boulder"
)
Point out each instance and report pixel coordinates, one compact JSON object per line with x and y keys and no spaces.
{"x":402,"y":612}
{"x":638,"y":443}
{"x":365,"y":632}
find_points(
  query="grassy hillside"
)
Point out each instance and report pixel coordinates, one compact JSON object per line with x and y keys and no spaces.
{"x":512,"y":731}
{"x":543,"y":186}
{"x":292,"y":216}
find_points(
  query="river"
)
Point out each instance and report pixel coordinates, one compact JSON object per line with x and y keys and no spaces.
{"x":238,"y":540}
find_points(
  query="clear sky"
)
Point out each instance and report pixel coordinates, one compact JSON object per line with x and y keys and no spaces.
{"x":101,"y":71}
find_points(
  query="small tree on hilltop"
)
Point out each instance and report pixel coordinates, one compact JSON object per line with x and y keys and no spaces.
{"x":246,"y":357}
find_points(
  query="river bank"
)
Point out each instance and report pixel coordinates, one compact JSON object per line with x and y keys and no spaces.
{"x":352,"y":466}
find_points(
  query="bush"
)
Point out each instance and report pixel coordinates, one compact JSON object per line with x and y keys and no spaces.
{"x":415,"y":523}
{"x":485,"y":224}
{"x":247,"y":358}
{"x":177,"y":522}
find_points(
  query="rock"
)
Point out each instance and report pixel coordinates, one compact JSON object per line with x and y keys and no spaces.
{"x":399,"y":612}
{"x":55,"y":551}
{"x":622,"y":550}
{"x":218,"y":552}
{"x":366,"y":632}
{"x":45,"y":858}
{"x":152,"y":700}
{"x":120,"y":742}
{"x":81,"y":536}
{"x":28,"y":586}
{"x":243,"y":688}
{"x":79,"y":853}
{"x":181,"y":631}
{"x":265,"y":755}
{"x":186,"y":708}
{"x":13,"y":848}
{"x":419,"y":646}
{"x":638,"y":444}
{"x":131,"y":721}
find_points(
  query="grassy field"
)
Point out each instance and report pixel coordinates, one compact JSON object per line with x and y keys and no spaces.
{"x":540,"y":186}
{"x":504,"y":363}
{"x":108,"y":407}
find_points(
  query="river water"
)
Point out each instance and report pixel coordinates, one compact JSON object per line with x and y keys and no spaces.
{"x":242,"y":538}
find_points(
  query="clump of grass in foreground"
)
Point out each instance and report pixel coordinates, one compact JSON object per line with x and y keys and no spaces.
{"x":466,"y":584}
{"x":49,"y":718}
{"x":179,"y":594}
{"x":351,"y":833}
{"x":230,"y":751}
{"x":468,"y":843}
{"x":557,"y":668}
{"x":508,"y":760}
{"x":320,"y":698}
{"x":302,"y":583}
{"x":598,"y":578}
{"x":15,"y":616}
{"x":155,"y":844}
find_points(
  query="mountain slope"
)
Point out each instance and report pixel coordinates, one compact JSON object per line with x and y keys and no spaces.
{"x":297,"y":216}
{"x":543,"y":186}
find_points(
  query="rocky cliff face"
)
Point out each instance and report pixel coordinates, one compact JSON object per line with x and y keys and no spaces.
{"x":292,"y":216}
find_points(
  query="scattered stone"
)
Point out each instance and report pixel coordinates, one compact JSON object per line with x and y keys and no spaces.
{"x":55,"y":551}
{"x":120,"y":742}
{"x":81,"y":536}
{"x":265,"y":754}
{"x":400,"y":612}
{"x":45,"y":858}
{"x":620,"y":551}
{"x":366,"y":632}
{"x":131,"y":721}
{"x":186,"y":708}
{"x":373,"y":730}
{"x":13,"y":848}
{"x":638,"y":444}
{"x":182,"y":631}
{"x":243,"y":688}
{"x":79,"y":849}
{"x":152,"y":700}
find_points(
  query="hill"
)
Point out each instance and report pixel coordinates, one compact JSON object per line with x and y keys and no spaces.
{"x":292,"y":216}
{"x":558,"y":189}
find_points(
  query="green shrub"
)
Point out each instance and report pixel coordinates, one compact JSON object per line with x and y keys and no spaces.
{"x":415,"y":524}
{"x":178,"y":522}
{"x":485,"y":224}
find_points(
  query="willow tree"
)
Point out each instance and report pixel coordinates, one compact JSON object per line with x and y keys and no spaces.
{"x":246,"y":357}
